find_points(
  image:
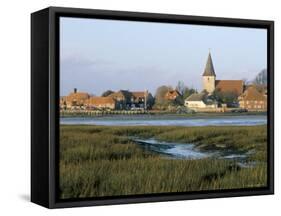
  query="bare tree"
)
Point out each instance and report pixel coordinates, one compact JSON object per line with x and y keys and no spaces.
{"x":160,"y":93}
{"x":261,"y":78}
{"x":181,"y":87}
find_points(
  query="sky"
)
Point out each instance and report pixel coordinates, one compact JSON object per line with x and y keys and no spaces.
{"x":97,"y":55}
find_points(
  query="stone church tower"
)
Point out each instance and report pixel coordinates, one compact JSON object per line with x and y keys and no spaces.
{"x":209,"y":76}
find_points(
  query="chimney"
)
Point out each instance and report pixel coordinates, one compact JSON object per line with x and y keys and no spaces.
{"x":75,"y":90}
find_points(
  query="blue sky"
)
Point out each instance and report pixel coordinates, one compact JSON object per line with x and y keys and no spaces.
{"x":96,"y":55}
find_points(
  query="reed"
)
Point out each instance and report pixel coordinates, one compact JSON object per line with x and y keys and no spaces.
{"x":100,"y":161}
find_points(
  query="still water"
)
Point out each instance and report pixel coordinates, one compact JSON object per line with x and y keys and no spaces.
{"x":145,"y":120}
{"x":186,"y":150}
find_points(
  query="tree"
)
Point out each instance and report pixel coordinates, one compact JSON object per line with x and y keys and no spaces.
{"x":160,"y":102}
{"x":150,"y":101}
{"x":184,"y":90}
{"x":228,"y":98}
{"x":160,"y":93}
{"x":246,"y":81}
{"x":261,"y":78}
{"x":181,"y":87}
{"x":106,"y":93}
{"x":188,"y":92}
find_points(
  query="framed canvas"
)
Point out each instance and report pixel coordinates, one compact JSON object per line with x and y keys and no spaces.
{"x":139,"y":107}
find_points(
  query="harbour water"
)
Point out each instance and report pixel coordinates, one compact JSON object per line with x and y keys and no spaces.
{"x":235,"y":120}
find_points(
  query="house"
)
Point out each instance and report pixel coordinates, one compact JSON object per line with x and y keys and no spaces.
{"x":253,"y":100}
{"x":141,"y":99}
{"x":74,"y":100}
{"x":100,"y":103}
{"x":138,"y":96}
{"x":62,"y":102}
{"x":200,"y":102}
{"x":171,"y":95}
{"x":210,"y":83}
{"x":127,"y":99}
{"x":121,"y":95}
{"x":123,"y":99}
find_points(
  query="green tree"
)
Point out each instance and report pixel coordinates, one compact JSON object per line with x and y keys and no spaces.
{"x":225,"y":97}
{"x":150,"y":101}
{"x":188,"y":92}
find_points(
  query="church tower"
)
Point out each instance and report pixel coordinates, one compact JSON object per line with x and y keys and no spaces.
{"x":209,"y":76}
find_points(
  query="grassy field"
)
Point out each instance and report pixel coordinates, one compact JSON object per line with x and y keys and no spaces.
{"x":103,"y":161}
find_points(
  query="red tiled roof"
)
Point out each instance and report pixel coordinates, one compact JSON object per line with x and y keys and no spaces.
{"x":229,"y":86}
{"x":78,"y":96}
{"x":118,"y":94}
{"x":252,"y":93}
{"x":100,"y":100}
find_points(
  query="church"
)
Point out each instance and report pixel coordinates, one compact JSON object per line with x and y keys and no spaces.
{"x":210,"y":85}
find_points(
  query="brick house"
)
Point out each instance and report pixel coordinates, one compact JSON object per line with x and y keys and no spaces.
{"x":74,"y":100}
{"x":253,"y":100}
{"x":100,"y":103}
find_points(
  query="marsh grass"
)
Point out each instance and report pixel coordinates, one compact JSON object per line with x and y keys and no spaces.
{"x":103,"y":161}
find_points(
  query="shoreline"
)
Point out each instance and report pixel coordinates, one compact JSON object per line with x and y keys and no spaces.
{"x":168,"y":115}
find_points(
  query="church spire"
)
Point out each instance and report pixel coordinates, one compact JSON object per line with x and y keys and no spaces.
{"x":209,"y":69}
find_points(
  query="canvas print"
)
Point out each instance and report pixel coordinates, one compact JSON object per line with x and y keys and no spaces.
{"x":153,"y":108}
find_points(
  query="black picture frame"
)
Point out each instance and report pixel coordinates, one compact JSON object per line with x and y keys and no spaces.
{"x":45,"y":103}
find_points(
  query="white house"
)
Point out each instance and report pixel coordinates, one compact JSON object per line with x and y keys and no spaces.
{"x":200,"y":101}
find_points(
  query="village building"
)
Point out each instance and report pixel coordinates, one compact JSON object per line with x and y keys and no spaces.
{"x":253,"y":100}
{"x":201,"y":102}
{"x":138,"y":98}
{"x":141,"y":99}
{"x":100,"y":103}
{"x":135,"y":99}
{"x":205,"y":101}
{"x":123,"y":99}
{"x":210,"y":83}
{"x":122,"y":95}
{"x":75,"y":100}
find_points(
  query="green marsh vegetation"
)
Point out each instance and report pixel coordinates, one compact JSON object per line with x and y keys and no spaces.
{"x":104,"y":160}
